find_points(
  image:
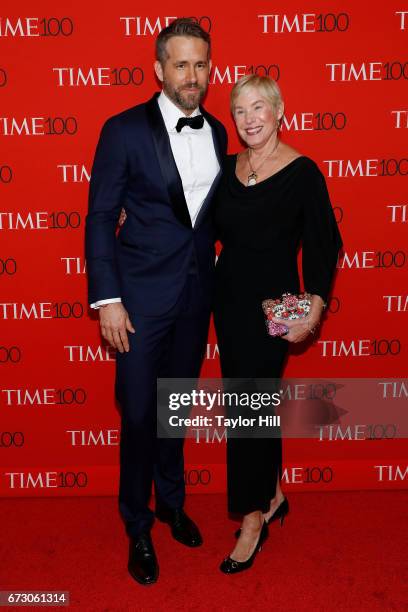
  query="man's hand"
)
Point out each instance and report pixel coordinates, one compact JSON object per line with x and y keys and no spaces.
{"x":122,"y":217}
{"x":115,"y":324}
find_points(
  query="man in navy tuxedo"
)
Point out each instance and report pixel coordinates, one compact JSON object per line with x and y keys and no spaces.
{"x":160,"y":161}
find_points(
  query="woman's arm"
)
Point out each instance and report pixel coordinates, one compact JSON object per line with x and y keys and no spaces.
{"x":321,"y":242}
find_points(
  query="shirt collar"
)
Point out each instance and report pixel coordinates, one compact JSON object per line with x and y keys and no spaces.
{"x":171,"y":113}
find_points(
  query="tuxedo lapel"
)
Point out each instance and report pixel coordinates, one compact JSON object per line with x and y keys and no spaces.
{"x":216,"y":136}
{"x":219,"y":153}
{"x":167,"y":163}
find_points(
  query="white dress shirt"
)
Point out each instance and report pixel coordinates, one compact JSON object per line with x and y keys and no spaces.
{"x":195,"y":158}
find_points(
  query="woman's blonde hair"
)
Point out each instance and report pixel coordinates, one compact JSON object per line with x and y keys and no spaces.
{"x":266,"y":86}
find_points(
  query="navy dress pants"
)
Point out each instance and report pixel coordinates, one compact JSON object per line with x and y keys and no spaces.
{"x":168,"y":346}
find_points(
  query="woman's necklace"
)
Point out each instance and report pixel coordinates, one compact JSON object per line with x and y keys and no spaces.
{"x":252,"y":176}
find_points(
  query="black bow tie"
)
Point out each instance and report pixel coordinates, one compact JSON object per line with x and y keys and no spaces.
{"x":196,"y":122}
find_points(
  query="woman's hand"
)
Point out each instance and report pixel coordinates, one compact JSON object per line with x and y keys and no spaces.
{"x":299,"y":329}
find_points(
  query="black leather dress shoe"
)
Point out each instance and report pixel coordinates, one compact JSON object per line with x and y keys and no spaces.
{"x":183,"y":529}
{"x":142,"y":565}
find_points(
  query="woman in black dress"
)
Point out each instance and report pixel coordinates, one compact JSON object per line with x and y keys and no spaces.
{"x":271,"y":200}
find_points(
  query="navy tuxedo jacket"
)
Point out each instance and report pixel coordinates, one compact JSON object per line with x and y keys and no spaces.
{"x":147,"y":262}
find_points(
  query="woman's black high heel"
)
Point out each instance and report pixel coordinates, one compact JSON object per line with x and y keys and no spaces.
{"x":230,"y":566}
{"x":280,"y":513}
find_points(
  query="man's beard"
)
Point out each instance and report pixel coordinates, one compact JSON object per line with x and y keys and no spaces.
{"x":182,"y":98}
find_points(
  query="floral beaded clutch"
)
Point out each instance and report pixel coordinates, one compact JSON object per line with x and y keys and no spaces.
{"x":287,"y":307}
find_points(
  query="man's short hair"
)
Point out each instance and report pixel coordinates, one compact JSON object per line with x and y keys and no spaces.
{"x":183,"y":26}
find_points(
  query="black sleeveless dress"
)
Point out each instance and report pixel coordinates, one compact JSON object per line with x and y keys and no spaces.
{"x":261,"y":229}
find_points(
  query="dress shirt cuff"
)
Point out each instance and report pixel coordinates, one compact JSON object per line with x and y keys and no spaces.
{"x":100,"y":303}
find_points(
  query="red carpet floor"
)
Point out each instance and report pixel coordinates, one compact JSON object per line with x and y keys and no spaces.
{"x":336,"y":551}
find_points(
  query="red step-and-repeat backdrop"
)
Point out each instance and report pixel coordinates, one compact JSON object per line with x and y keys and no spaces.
{"x":64,"y":68}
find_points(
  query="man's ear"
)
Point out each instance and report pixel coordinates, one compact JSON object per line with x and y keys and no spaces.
{"x":158,"y":70}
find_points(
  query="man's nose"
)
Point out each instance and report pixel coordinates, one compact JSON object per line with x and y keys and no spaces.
{"x":191,"y":75}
